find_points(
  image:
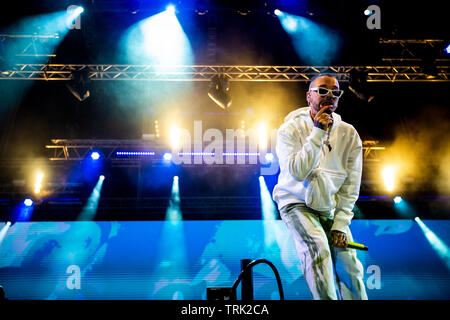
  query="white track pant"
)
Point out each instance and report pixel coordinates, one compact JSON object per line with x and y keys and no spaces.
{"x":311,"y":233}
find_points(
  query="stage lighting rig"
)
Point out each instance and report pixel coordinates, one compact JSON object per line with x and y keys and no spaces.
{"x":79,"y":84}
{"x":358,"y":85}
{"x":219,"y":91}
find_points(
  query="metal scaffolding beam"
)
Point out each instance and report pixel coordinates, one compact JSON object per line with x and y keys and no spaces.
{"x":99,"y":72}
{"x":76,"y":150}
{"x":31,"y":45}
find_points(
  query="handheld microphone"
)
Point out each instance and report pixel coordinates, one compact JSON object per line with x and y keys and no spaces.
{"x":357,"y":246}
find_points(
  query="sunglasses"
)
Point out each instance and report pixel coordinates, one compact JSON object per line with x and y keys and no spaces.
{"x":325,"y":91}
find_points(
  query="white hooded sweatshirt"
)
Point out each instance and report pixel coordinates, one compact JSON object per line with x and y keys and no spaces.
{"x":325,"y":180}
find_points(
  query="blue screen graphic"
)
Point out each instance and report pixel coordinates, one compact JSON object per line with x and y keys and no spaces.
{"x":179,"y":260}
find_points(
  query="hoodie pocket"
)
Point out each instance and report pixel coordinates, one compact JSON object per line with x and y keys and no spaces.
{"x":323,"y":185}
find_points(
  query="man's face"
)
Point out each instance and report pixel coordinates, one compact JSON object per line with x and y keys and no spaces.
{"x":316,"y":101}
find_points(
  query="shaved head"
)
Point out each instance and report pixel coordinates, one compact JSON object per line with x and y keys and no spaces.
{"x":311,"y":84}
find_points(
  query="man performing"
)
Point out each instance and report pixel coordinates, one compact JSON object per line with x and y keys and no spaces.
{"x":320,"y":160}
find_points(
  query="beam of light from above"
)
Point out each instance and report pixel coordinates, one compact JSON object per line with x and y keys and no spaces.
{"x":49,"y":29}
{"x":4,"y":231}
{"x":72,"y":14}
{"x":436,"y":243}
{"x":55,"y":24}
{"x":315,"y":44}
{"x":158,"y":40}
{"x":90,"y":209}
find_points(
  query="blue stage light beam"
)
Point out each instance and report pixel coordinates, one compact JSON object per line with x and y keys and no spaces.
{"x":24,"y":210}
{"x":436,"y":243}
{"x":90,"y":209}
{"x":269,"y":211}
{"x":173,"y":213}
{"x":55,"y":25}
{"x":404,"y":209}
{"x":272,"y":231}
{"x":447,"y":49}
{"x":358,"y":213}
{"x":315,"y":44}
{"x":158,"y":40}
{"x":73,"y":13}
{"x":49,"y":30}
{"x":4,"y":231}
{"x":172,"y":248}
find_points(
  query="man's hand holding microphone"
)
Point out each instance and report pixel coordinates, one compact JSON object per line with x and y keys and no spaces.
{"x":323,"y":118}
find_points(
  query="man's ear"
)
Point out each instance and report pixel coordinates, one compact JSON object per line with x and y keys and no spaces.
{"x":307,"y":97}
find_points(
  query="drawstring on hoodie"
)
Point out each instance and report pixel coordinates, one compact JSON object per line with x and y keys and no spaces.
{"x":327,"y":140}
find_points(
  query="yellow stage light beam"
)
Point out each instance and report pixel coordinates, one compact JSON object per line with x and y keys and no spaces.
{"x":388,"y":173}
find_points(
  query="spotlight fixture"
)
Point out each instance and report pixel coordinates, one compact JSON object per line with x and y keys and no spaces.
{"x":429,"y":57}
{"x":219,"y":91}
{"x":358,"y":85}
{"x":269,"y":157}
{"x":367,"y":12}
{"x":277,"y":12}
{"x":79,"y":84}
{"x":243,"y":12}
{"x":95,"y":155}
{"x":170,"y":8}
{"x":398,"y":199}
{"x":167,"y":156}
{"x":28,"y":202}
{"x":447,"y":49}
{"x":134,"y":6}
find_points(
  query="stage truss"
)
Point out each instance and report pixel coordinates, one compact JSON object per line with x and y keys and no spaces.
{"x":105,"y":72}
{"x":133,"y":152}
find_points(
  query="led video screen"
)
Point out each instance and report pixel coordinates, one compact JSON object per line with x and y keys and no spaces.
{"x":179,"y":260}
